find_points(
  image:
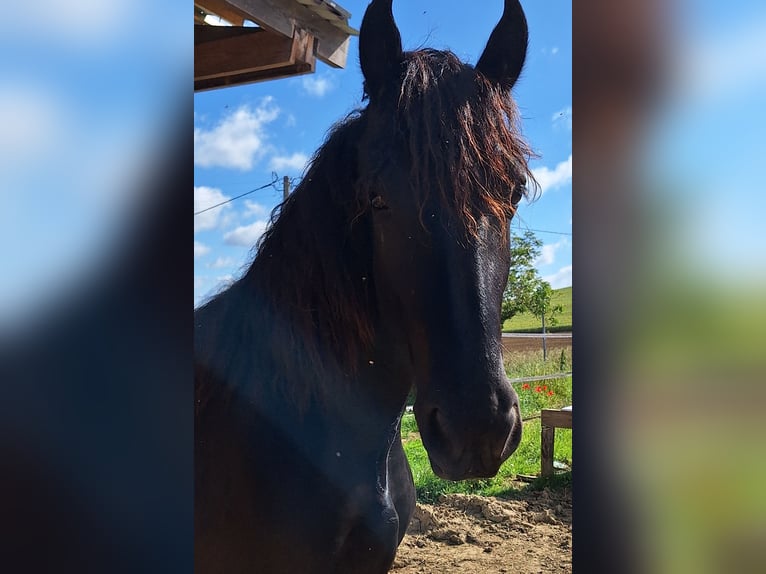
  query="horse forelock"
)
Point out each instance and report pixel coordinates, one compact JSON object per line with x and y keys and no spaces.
{"x":464,"y":138}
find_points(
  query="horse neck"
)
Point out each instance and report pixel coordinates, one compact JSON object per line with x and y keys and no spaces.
{"x":356,"y":412}
{"x":311,"y":289}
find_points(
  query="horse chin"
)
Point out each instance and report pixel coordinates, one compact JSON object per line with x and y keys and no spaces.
{"x":442,"y":472}
{"x":461,"y":473}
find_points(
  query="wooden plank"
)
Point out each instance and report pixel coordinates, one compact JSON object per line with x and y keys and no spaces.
{"x":203,"y":34}
{"x":265,"y":14}
{"x":297,"y":69}
{"x":226,"y":51}
{"x":221,"y":52}
{"x":328,"y":6}
{"x":227,"y":56}
{"x":546,"y":450}
{"x":556,"y":418}
{"x":222,"y":9}
{"x":284,"y":16}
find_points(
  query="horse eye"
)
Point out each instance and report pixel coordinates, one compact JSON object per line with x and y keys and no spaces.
{"x":518,"y":193}
{"x":378,"y":203}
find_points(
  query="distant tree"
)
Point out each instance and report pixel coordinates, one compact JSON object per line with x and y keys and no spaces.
{"x":523,"y":279}
{"x":540,"y":306}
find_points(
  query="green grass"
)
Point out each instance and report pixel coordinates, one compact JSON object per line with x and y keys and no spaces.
{"x":531,"y":363}
{"x":528,"y":323}
{"x":526,"y":459}
{"x":409,"y":425}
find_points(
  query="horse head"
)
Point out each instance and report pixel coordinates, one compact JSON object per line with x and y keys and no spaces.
{"x":445,"y":168}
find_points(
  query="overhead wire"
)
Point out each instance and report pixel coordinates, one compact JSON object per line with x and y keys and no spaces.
{"x":525,"y":228}
{"x":270,"y":184}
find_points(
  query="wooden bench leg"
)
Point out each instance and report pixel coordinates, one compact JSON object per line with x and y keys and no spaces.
{"x":546,"y":449}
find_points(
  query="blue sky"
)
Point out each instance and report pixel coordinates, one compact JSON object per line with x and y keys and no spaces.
{"x":243,"y":134}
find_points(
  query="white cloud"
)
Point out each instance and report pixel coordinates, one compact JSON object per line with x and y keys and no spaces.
{"x":221,"y":263}
{"x":563,"y":118}
{"x":296,"y":162}
{"x":554,"y":50}
{"x":222,"y":282}
{"x":562,"y":278}
{"x":550,"y":179}
{"x":205,"y":197}
{"x":548,"y":252}
{"x":238,"y":140}
{"x":316,"y":85}
{"x":201,"y":289}
{"x":253,"y":209}
{"x":246,"y":235}
{"x":207,"y":286}
{"x":200,"y":249}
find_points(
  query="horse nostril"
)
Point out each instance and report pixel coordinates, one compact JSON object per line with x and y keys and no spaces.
{"x":434,"y":420}
{"x":516,"y":412}
{"x":438,"y":424}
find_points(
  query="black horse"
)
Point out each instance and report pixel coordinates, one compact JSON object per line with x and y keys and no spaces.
{"x":383,"y":271}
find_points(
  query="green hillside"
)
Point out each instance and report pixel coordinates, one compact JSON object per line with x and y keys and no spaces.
{"x":526,"y":322}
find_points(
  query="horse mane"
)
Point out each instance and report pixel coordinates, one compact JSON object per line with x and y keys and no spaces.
{"x":305,"y":308}
{"x":313,"y":261}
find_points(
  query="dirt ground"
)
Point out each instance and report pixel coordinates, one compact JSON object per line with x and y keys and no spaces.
{"x":511,"y":344}
{"x":474,"y":534}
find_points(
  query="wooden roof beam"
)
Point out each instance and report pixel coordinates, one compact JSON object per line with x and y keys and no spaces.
{"x":222,"y":9}
{"x":284,"y":17}
{"x":225,"y":56}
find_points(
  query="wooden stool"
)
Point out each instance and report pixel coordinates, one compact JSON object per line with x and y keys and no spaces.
{"x":551,"y":419}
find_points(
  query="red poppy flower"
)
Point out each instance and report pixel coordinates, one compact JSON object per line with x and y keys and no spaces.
{"x":538,"y":389}
{"x":545,"y":388}
{"x":550,"y":393}
{"x":525,"y":386}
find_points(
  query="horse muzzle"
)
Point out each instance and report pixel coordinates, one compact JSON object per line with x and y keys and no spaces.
{"x":462,"y":447}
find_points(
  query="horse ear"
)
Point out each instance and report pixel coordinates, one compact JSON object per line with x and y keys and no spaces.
{"x":506,"y":50}
{"x":380,"y":48}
